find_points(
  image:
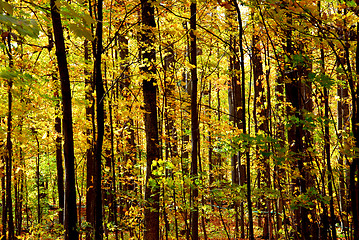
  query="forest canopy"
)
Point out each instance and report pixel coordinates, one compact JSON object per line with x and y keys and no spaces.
{"x":179,"y":119}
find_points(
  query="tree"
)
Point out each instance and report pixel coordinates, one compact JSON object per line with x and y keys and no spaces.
{"x":206,"y":116}
{"x":100,"y":125}
{"x":194,"y":122}
{"x":9,"y":149}
{"x":248,"y":162}
{"x":59,"y":161}
{"x":70,"y":190}
{"x":152,"y":187}
{"x":354,"y":166}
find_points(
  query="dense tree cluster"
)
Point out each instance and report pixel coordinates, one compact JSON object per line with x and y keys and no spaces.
{"x":179,"y":119}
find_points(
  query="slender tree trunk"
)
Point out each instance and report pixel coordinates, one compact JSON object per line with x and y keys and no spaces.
{"x":261,"y":125}
{"x":19,"y":181}
{"x":112,"y":189}
{"x":194,"y":123}
{"x":59,"y":167}
{"x":236,"y":115}
{"x":212,"y":165}
{"x":38,"y":178}
{"x":70,"y":190}
{"x":100,"y":125}
{"x":298,"y":94}
{"x":327,"y":153}
{"x":58,"y":141}
{"x":279,"y":172}
{"x":343,"y":123}
{"x":90,"y":163}
{"x":354,"y":166}
{"x":169,"y":115}
{"x":130,"y":146}
{"x":329,"y":166}
{"x":3,"y":198}
{"x":184,"y":136}
{"x":19,"y":175}
{"x":11,"y":230}
{"x":152,"y":187}
{"x":91,"y":132}
{"x":248,"y":172}
{"x":8,"y":156}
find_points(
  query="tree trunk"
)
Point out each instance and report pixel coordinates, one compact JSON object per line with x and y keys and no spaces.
{"x":90,"y":132}
{"x":8,"y":155}
{"x":261,"y":127}
{"x":354,"y":166}
{"x":3,"y":197}
{"x":8,"y":165}
{"x":194,"y":122}
{"x":58,"y":141}
{"x":38,"y":178}
{"x":70,"y":190}
{"x":298,"y":94}
{"x":171,"y":132}
{"x":90,"y":163}
{"x":100,"y":125}
{"x":19,"y":187}
{"x":59,"y":167}
{"x":236,"y":115}
{"x":327,"y":154}
{"x":248,"y":172}
{"x":152,"y":187}
{"x":343,"y":123}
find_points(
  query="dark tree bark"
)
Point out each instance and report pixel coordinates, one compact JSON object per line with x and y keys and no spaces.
{"x":152,"y":187}
{"x":19,"y":189}
{"x":236,"y":116}
{"x":8,"y":212}
{"x":171,"y":149}
{"x":279,"y":173}
{"x":100,"y":124}
{"x":90,"y":163}
{"x":261,"y":127}
{"x":299,"y":94}
{"x":19,"y":176}
{"x":38,"y":184}
{"x":70,"y":222}
{"x":248,"y":172}
{"x":3,"y":198}
{"x":58,"y":141}
{"x":354,"y":166}
{"x":112,"y":187}
{"x":91,"y":131}
{"x":91,"y":136}
{"x":59,"y":167}
{"x":328,"y":161}
{"x":8,"y":165}
{"x":343,"y":123}
{"x":130,"y":153}
{"x":327,"y":155}
{"x":194,"y":122}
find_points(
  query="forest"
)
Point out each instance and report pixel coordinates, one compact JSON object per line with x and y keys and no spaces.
{"x":187,"y":119}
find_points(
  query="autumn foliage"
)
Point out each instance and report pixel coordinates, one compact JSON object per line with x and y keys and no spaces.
{"x":179,"y":119}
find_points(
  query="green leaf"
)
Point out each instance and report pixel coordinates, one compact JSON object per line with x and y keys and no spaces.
{"x":351,"y":3}
{"x":7,"y":7}
{"x":26,"y":27}
{"x":323,"y":79}
{"x":7,"y":74}
{"x":88,"y":19}
{"x":81,"y":31}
